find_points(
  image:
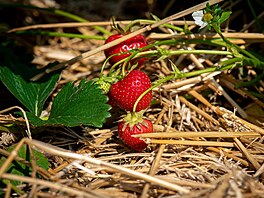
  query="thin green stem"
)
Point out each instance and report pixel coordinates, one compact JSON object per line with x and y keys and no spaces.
{"x":181,"y":75}
{"x":59,"y":34}
{"x":235,"y":49}
{"x":200,"y":52}
{"x":179,"y":52}
{"x":79,"y":19}
{"x":252,"y":82}
{"x":158,"y":83}
{"x":230,"y":61}
{"x":165,"y":53}
{"x":116,"y":64}
{"x":57,"y":12}
{"x":104,"y":64}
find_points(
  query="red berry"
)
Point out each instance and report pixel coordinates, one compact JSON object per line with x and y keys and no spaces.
{"x":125,"y":131}
{"x":126,"y":91}
{"x":136,"y":42}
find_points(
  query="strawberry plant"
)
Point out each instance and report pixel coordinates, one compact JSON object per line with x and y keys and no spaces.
{"x":189,"y":87}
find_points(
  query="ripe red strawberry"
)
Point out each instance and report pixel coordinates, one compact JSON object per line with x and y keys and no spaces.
{"x":126,"y":91}
{"x":136,"y":42}
{"x":125,"y":131}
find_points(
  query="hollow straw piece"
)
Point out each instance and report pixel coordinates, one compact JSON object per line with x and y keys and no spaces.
{"x":186,"y":134}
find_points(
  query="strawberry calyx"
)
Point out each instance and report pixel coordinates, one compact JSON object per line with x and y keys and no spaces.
{"x":119,"y":27}
{"x":103,"y":84}
{"x":133,"y":119}
{"x":125,"y":29}
{"x":132,"y":124}
{"x":105,"y":81}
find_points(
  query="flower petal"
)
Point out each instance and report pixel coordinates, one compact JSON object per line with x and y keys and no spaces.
{"x":203,"y":25}
{"x":198,"y":15}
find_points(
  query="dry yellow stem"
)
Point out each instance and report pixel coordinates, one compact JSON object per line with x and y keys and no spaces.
{"x":251,"y":36}
{"x":210,"y":134}
{"x":229,"y":155}
{"x":198,"y":110}
{"x":192,"y":143}
{"x":247,"y":154}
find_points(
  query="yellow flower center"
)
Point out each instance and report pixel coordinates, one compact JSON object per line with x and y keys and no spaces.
{"x":207,"y":17}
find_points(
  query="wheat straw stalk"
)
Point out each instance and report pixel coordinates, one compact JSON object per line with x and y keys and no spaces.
{"x":48,"y":184}
{"x":218,"y":111}
{"x":198,"y":110}
{"x":190,"y":183}
{"x":155,"y":165}
{"x":255,"y":36}
{"x":192,"y":143}
{"x":87,"y":24}
{"x":259,"y":171}
{"x":120,"y":169}
{"x":11,"y":157}
{"x":247,"y":153}
{"x":200,"y":97}
{"x":221,"y":189}
{"x":211,"y":134}
{"x":244,"y":122}
{"x":231,"y":84}
{"x":194,"y":80}
{"x":229,"y":155}
{"x":240,"y":110}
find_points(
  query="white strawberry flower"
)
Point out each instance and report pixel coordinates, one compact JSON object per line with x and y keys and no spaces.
{"x":198,"y":19}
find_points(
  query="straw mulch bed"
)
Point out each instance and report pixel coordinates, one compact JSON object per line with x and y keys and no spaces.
{"x":208,"y":139}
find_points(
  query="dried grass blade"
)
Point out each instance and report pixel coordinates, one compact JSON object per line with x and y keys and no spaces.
{"x":247,"y":154}
{"x":204,"y":114}
{"x":192,"y":143}
{"x":186,"y":134}
{"x":120,"y":169}
{"x":229,"y":155}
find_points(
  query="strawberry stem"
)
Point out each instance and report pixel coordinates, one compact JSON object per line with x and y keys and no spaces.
{"x":167,"y":53}
{"x":177,"y":75}
{"x":164,"y":54}
{"x":127,"y":61}
{"x":156,"y":84}
{"x":104,"y":64}
{"x":116,"y":64}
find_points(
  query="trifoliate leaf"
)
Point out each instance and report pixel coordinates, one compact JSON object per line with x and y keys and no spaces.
{"x":15,"y":76}
{"x":84,"y":104}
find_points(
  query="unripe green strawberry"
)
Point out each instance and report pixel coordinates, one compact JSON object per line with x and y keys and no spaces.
{"x":126,"y":91}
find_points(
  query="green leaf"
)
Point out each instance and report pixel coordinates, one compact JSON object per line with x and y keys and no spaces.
{"x":224,"y":17}
{"x":31,"y":94}
{"x":19,"y":168}
{"x":35,"y":120}
{"x":84,"y":104}
{"x":15,"y":76}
